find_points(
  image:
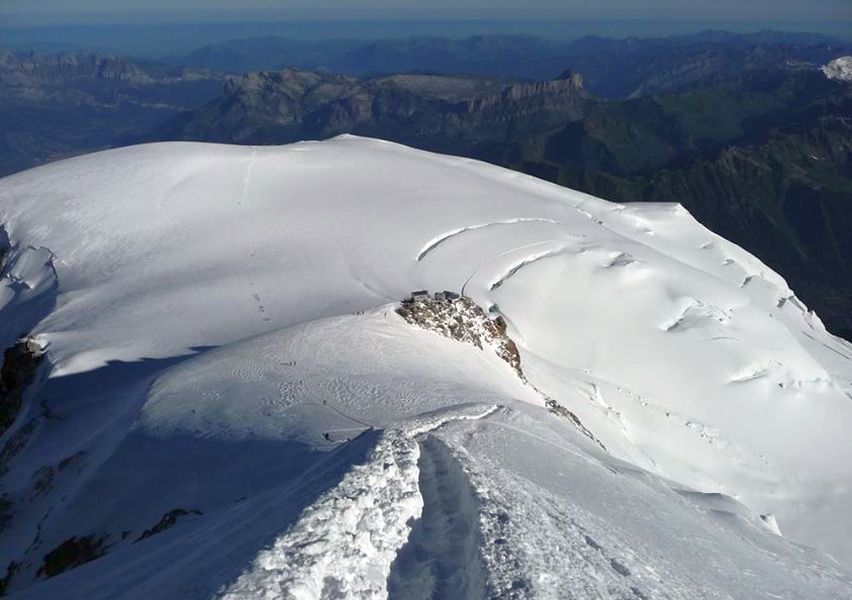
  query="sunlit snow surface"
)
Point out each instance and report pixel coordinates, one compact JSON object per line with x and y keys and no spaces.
{"x":220,"y":326}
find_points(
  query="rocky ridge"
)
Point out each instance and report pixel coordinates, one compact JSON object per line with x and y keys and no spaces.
{"x":19,"y":366}
{"x":461,"y":319}
{"x":292,"y":104}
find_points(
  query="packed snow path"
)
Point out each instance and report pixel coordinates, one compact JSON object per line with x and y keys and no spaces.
{"x":441,"y":560}
{"x":342,"y":546}
{"x":252,"y":256}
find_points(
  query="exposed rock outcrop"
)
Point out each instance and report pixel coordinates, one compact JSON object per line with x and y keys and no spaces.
{"x":72,"y":553}
{"x":563,"y":96}
{"x":20,"y":363}
{"x":168,"y":521}
{"x":463,"y":320}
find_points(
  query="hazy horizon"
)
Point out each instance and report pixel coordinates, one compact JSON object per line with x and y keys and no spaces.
{"x":89,"y":11}
{"x":177,"y":35}
{"x":171,"y":26}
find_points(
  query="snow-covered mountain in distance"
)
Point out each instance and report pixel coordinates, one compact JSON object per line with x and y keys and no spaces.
{"x":232,"y":407}
{"x":839,"y":69}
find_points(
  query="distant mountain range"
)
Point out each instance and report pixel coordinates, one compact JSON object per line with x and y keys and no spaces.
{"x":613,"y":68}
{"x":760,"y":156}
{"x":744,"y":130}
{"x":54,"y":106}
{"x":765,"y":162}
{"x":454,"y":114}
{"x":57,"y":105}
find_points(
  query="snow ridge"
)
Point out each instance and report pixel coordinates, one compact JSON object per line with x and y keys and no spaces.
{"x":343,"y":545}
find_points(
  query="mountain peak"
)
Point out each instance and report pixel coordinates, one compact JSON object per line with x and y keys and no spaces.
{"x":840,"y":69}
{"x":584,"y":404}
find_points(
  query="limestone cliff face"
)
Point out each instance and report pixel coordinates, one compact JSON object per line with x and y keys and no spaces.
{"x":565,"y":92}
{"x":61,"y":67}
{"x":86,"y":77}
{"x":282,"y":106}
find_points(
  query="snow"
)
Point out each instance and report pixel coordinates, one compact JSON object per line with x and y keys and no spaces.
{"x":344,"y":543}
{"x":628,"y":535}
{"x":222,"y":337}
{"x":839,"y":69}
{"x":348,"y":538}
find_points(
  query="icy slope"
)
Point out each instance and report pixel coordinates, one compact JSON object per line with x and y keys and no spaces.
{"x":339,"y":443}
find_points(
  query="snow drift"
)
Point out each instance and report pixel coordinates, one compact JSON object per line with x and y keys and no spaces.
{"x":232,"y":407}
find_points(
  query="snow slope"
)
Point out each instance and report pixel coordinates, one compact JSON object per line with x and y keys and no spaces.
{"x":221,"y":335}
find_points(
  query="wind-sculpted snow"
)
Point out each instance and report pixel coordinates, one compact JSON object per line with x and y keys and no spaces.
{"x":223,"y":342}
{"x":342,"y":545}
{"x":434,"y":243}
{"x":524,"y":262}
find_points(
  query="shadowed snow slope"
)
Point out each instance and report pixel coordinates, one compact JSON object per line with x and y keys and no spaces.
{"x":233,"y":408}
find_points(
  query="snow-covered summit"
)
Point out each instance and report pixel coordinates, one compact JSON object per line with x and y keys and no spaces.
{"x":233,"y":407}
{"x":839,"y":69}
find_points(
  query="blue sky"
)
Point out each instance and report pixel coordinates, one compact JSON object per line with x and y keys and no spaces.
{"x":82,"y":11}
